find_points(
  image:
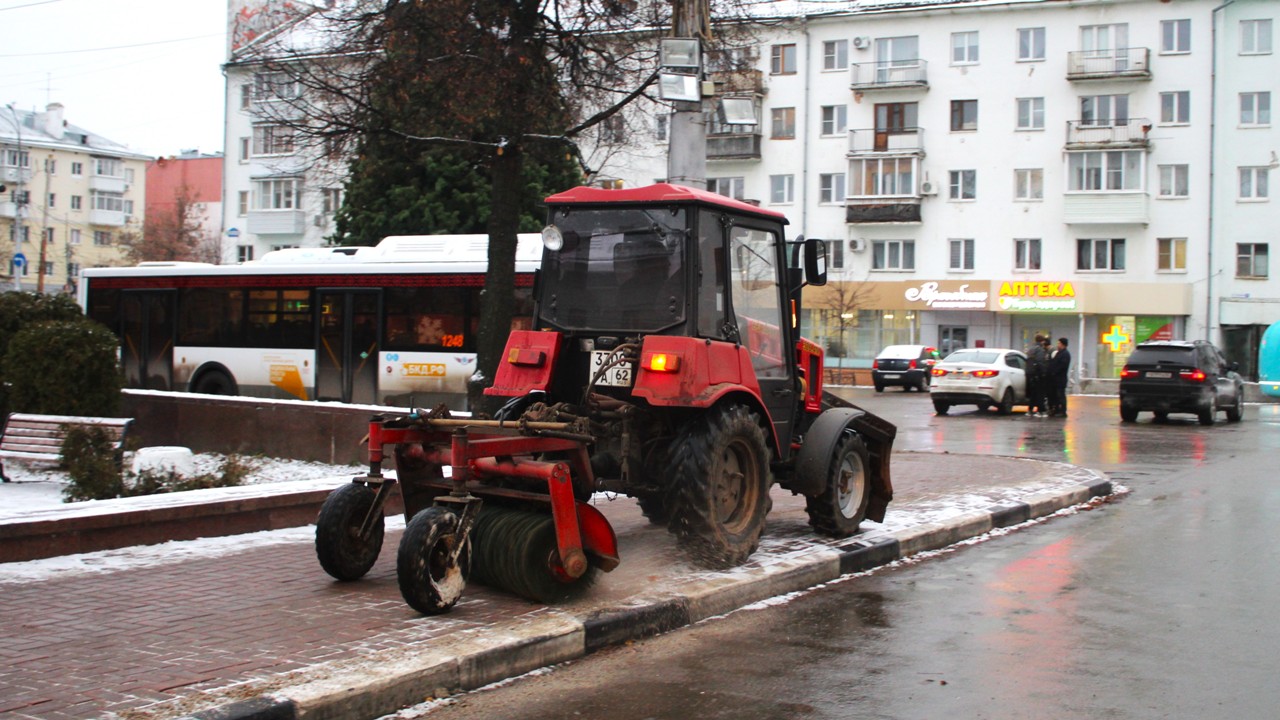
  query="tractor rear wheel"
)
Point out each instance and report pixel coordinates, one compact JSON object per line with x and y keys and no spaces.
{"x":841,"y":507}
{"x":654,"y":508}
{"x":429,"y":581}
{"x":342,"y":551}
{"x":720,"y":472}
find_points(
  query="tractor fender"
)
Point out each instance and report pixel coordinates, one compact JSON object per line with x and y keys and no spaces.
{"x":812,"y":467}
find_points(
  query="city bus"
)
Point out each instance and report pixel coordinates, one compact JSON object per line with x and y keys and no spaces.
{"x":1269,"y":361}
{"x":392,"y":325}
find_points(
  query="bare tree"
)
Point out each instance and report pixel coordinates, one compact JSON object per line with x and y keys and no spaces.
{"x":844,"y":300}
{"x":173,"y":232}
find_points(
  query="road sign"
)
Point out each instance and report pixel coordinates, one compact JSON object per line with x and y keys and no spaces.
{"x":233,"y":233}
{"x":19,"y":261}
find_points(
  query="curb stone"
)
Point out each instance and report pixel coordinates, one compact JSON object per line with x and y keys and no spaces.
{"x":556,"y":639}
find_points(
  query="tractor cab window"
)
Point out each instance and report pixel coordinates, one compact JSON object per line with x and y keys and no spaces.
{"x":619,"y":269}
{"x":757,"y":299}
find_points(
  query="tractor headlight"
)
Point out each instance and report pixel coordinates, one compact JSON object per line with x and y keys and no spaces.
{"x":552,"y":239}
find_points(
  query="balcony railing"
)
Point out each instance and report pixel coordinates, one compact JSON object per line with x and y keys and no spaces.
{"x":277,"y":222}
{"x":109,"y":218}
{"x":10,"y":174}
{"x":897,"y":141}
{"x":889,"y":74}
{"x":1109,"y":64}
{"x":106,"y":183}
{"x":743,"y":80}
{"x":8,"y":209}
{"x":1130,"y":133}
{"x":882,"y":209}
{"x":733,"y":146}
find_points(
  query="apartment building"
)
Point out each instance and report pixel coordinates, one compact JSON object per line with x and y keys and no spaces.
{"x":189,"y":183}
{"x":983,"y":172}
{"x":69,"y":197}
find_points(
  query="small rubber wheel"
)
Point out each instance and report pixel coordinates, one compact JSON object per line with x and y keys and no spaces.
{"x":842,"y":506}
{"x":429,"y":581}
{"x":342,"y":552}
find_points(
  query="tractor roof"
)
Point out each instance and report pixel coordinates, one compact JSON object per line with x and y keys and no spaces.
{"x":659,"y":193}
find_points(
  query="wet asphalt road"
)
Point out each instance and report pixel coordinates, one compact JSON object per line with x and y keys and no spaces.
{"x":1159,"y":604}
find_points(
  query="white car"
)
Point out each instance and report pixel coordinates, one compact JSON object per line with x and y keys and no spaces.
{"x":986,"y":377}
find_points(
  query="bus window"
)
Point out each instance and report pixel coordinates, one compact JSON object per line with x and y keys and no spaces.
{"x":428,"y":319}
{"x":212,"y":317}
{"x":280,"y":318}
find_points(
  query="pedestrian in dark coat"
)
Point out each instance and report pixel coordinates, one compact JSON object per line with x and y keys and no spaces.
{"x":1037,"y":376}
{"x":1059,"y":375}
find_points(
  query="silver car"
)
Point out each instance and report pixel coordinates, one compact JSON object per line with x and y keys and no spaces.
{"x":986,"y":377}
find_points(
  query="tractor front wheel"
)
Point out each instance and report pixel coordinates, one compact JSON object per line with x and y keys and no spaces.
{"x":720,"y":471}
{"x":343,"y":552}
{"x":841,"y":507}
{"x":429,"y":580}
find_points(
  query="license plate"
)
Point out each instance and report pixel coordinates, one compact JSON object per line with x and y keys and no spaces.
{"x":1161,"y":375}
{"x":892,"y":376}
{"x":620,"y":375}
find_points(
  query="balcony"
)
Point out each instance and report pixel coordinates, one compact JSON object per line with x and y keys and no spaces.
{"x":9,"y":174}
{"x":1129,"y":207}
{"x":878,"y":141}
{"x":277,"y":222}
{"x":882,"y":209}
{"x":109,"y":218}
{"x":733,"y":146}
{"x":106,"y":183}
{"x":738,"y":81}
{"x":8,"y":209}
{"x":890,"y":75}
{"x":1122,"y":63}
{"x":1120,"y":135}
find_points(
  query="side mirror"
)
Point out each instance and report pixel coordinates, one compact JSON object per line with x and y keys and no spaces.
{"x":815,"y":261}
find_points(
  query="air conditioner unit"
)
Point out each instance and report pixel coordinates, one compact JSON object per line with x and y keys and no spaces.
{"x":862,"y":42}
{"x":857,"y":244}
{"x":928,"y":188}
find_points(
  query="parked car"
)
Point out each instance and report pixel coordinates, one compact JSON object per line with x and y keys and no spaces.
{"x":986,"y":377}
{"x":905,"y":365}
{"x":1180,"y":376}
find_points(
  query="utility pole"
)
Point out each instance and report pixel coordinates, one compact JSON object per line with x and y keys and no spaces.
{"x":687,"y":143}
{"x":17,"y":205}
{"x":44,"y":229}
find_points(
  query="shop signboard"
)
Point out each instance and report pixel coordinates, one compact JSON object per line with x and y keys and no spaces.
{"x":1038,"y":297}
{"x":948,"y":295}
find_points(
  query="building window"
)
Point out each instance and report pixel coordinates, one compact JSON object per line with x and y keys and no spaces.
{"x":1173,"y":181}
{"x":49,"y":234}
{"x":1100,"y":254}
{"x":1255,"y":109}
{"x":1104,"y":110}
{"x":835,"y":119}
{"x":17,"y":158}
{"x":108,"y":167}
{"x":244,"y":149}
{"x":884,"y":176}
{"x":1030,"y":44}
{"x":1251,"y":260}
{"x":53,"y":200}
{"x":612,"y":130}
{"x":242,"y":204}
{"x":893,"y":255}
{"x":964,"y":115}
{"x":831,"y":188}
{"x":835,"y":55}
{"x":784,"y":123}
{"x":1171,"y":254}
{"x":781,"y":188}
{"x":1253,"y":183}
{"x":961,"y":254}
{"x":782,"y":60}
{"x":73,"y":238}
{"x":1100,"y":171}
{"x":1175,"y":107}
{"x":128,"y":175}
{"x":1028,"y":184}
{"x":246,"y":96}
{"x":77,"y":169}
{"x":662,"y":126}
{"x":244,"y":253}
{"x":128,"y":207}
{"x":835,"y":253}
{"x":73,"y":270}
{"x":108,"y":201}
{"x":1031,"y":113}
{"x":1026,"y":254}
{"x":1175,"y":36}
{"x":48,"y":268}
{"x":271,"y":86}
{"x":734,"y":187}
{"x":964,"y":48}
{"x":51,"y":166}
{"x":1255,"y":37}
{"x":76,"y":202}
{"x":963,"y":184}
{"x":272,"y":140}
{"x":101,"y":238}
{"x":332,"y":200}
{"x":282,"y":194}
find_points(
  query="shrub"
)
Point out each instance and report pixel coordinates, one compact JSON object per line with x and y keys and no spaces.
{"x":19,"y":310}
{"x":91,"y":464}
{"x":63,"y":367}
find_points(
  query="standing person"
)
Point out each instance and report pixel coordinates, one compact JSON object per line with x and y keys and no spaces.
{"x":1059,"y":373}
{"x":1037,"y":376}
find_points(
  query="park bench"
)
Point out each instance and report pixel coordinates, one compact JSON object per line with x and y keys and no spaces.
{"x":39,"y":438}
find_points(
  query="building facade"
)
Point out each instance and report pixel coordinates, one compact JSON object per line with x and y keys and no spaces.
{"x":983,"y":172}
{"x":70,"y":196}
{"x":189,"y":183}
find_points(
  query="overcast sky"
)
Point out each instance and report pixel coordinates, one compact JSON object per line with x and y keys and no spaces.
{"x":144,"y":73}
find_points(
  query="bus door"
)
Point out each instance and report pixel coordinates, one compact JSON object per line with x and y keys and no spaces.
{"x":146,"y":338}
{"x":347,"y":346}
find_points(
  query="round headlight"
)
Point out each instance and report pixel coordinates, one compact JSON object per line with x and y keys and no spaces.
{"x":552,"y":239}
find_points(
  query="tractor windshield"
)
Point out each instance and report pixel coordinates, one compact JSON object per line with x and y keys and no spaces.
{"x":620,"y":269}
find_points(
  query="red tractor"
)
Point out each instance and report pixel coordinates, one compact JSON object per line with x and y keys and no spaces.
{"x":664,"y":363}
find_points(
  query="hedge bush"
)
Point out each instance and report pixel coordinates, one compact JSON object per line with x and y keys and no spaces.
{"x":63,"y":367}
{"x":19,"y":310}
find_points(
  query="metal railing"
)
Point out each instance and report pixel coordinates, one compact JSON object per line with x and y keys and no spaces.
{"x":1131,"y":132}
{"x":889,"y":73}
{"x":899,"y":141}
{"x":1119,"y":62}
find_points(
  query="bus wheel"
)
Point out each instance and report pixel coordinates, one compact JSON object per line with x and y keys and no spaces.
{"x":214,"y":382}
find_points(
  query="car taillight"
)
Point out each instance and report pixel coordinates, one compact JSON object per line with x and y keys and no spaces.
{"x":985,"y":373}
{"x":1196,"y":375}
{"x":912,"y":364}
{"x":875,"y":364}
{"x":937,"y":372}
{"x":1126,"y":372}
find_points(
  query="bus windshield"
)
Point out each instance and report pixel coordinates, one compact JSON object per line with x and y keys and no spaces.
{"x":619,"y":269}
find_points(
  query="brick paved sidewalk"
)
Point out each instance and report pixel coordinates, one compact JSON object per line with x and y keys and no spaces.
{"x":174,"y":637}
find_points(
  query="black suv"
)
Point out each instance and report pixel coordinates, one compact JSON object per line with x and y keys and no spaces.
{"x":1188,"y":376}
